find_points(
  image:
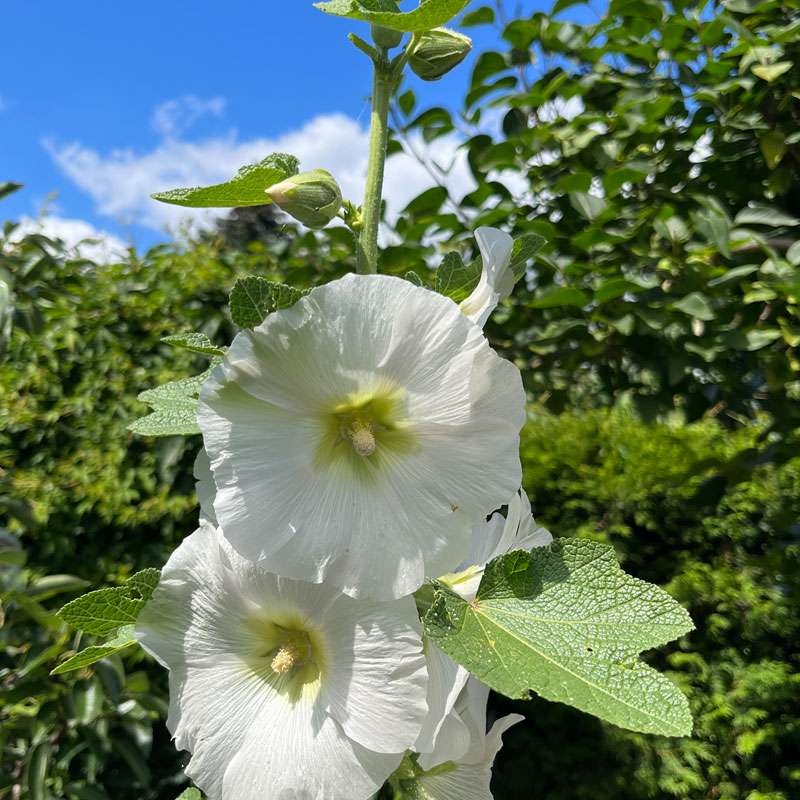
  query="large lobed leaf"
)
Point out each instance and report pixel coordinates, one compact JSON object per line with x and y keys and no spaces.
{"x":246,"y":188}
{"x":252,"y":298}
{"x":107,"y":612}
{"x":103,"y":611}
{"x":428,"y":15}
{"x":566,"y":622}
{"x":174,"y":406}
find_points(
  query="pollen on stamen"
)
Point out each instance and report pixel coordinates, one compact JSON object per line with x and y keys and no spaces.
{"x":362,"y":438}
{"x":285,"y":659}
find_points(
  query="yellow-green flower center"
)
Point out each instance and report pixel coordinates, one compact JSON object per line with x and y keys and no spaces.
{"x":362,"y":430}
{"x":290,"y":653}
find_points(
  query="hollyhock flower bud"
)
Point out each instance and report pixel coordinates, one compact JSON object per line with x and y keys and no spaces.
{"x":313,"y":198}
{"x":438,"y":51}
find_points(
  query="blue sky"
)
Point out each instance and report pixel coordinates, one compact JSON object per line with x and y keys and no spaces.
{"x":102,"y":102}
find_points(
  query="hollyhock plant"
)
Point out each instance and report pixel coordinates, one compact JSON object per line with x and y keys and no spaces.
{"x":280,"y":688}
{"x":349,"y":436}
{"x":359,"y":438}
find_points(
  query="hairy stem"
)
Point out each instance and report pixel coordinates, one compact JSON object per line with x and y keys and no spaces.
{"x":382,"y":87}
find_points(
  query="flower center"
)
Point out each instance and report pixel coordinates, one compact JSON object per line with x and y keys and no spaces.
{"x":295,"y":652}
{"x":288,"y":652}
{"x":359,"y":431}
{"x":362,"y":430}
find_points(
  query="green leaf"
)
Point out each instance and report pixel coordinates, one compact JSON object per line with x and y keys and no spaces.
{"x":430,"y":13}
{"x":91,"y":655}
{"x":756,"y":214}
{"x":752,"y":340}
{"x":252,"y":298}
{"x":50,"y":585}
{"x":734,"y":274}
{"x":196,"y":342}
{"x":566,"y":622}
{"x":773,"y":147}
{"x":36,"y":771}
{"x":190,"y":794}
{"x":771,"y":72}
{"x":525,"y":247}
{"x":695,"y":305}
{"x":613,"y":288}
{"x":174,"y":406}
{"x":793,"y":254}
{"x":480,"y":16}
{"x":454,"y":278}
{"x":8,"y":187}
{"x":587,"y":205}
{"x":177,"y":420}
{"x":246,"y":188}
{"x":564,"y":4}
{"x":560,"y":296}
{"x":574,"y":182}
{"x":182,"y":390}
{"x":103,"y":611}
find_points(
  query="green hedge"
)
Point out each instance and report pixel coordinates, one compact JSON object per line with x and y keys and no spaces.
{"x":728,"y":550}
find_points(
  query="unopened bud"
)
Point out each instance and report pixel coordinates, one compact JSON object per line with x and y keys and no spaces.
{"x":438,"y":51}
{"x":386,"y":37}
{"x":313,"y":198}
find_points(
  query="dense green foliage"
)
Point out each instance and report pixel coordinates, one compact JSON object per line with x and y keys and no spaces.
{"x":667,"y":290}
{"x":731,"y":557}
{"x":669,"y":203}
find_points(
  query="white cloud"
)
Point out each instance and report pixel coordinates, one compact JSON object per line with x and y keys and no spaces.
{"x":79,"y":236}
{"x":174,"y":117}
{"x":120,"y":182}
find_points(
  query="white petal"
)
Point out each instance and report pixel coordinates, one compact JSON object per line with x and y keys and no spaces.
{"x":471,"y":709}
{"x":444,"y":737}
{"x":205,"y":487}
{"x":262,"y":414}
{"x":378,"y":672}
{"x":496,"y":281}
{"x":469,"y":781}
{"x":304,"y":756}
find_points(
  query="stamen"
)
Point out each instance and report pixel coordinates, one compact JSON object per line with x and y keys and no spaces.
{"x":361,"y":437}
{"x":284,"y":660}
{"x":294,"y":652}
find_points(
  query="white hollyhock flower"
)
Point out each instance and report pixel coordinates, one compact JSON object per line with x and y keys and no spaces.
{"x":350,"y":434}
{"x":444,"y":735}
{"x":282,"y":689}
{"x":497,"y":278}
{"x":467,"y":776}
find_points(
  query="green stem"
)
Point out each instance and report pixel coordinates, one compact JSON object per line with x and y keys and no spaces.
{"x":383,"y":84}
